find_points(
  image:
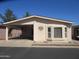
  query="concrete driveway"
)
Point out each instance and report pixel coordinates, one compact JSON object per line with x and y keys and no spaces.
{"x":16,"y":43}
{"x":38,"y":53}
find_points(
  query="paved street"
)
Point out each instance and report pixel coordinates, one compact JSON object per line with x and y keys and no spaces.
{"x":38,"y":53}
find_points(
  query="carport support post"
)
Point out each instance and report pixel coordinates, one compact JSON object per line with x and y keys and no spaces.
{"x":6,"y":33}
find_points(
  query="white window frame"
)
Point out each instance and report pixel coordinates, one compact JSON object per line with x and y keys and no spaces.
{"x":65,"y":29}
{"x":49,"y":32}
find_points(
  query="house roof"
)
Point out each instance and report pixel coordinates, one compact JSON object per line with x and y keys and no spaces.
{"x":53,"y":19}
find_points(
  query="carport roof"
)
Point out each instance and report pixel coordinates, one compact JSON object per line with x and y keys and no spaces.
{"x":22,"y":19}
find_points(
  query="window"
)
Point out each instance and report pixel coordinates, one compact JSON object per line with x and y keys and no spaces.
{"x":77,"y":30}
{"x":49,"y":32}
{"x":58,"y":32}
{"x":65,"y":32}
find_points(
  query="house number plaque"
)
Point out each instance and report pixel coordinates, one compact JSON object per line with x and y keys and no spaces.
{"x":40,"y":28}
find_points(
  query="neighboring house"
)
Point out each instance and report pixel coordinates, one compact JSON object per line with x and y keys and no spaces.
{"x":40,"y":29}
{"x":2,"y":32}
{"x":14,"y":33}
{"x":75,"y":32}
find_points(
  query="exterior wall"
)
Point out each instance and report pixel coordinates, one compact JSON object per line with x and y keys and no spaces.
{"x":42,"y":35}
{"x":68,"y":38}
{"x":16,"y":33}
{"x":2,"y":34}
{"x":69,"y":33}
{"x":39,"y":34}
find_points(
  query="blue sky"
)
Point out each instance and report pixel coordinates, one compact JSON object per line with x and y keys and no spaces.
{"x":62,"y":9}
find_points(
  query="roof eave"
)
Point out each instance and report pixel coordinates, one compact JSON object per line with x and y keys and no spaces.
{"x":38,"y":17}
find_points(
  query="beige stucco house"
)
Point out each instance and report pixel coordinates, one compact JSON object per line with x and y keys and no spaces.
{"x":42,"y":29}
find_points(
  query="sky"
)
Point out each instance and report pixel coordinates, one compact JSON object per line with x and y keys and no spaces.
{"x":61,"y":9}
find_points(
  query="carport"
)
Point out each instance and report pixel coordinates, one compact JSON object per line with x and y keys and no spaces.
{"x":20,"y":32}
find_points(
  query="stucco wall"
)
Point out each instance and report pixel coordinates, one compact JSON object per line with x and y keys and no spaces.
{"x":16,"y":33}
{"x":2,"y":34}
{"x":42,"y":35}
{"x":39,"y":31}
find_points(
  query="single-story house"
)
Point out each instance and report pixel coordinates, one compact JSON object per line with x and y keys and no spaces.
{"x":40,"y":29}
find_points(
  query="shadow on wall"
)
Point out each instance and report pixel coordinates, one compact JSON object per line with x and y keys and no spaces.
{"x":17,"y":34}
